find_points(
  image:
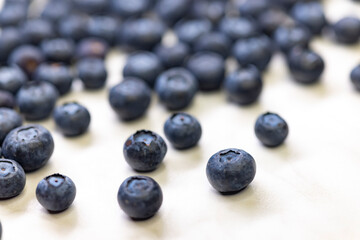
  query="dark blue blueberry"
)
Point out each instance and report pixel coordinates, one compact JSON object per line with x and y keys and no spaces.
{"x":208,"y":68}
{"x":12,"y":179}
{"x":172,"y":11}
{"x":244,"y":85}
{"x":31,"y":146}
{"x":355,"y":77}
{"x":256,"y":51}
{"x":305,"y":65}
{"x":92,"y":48}
{"x":92,"y":72}
{"x":10,"y":38}
{"x":130,"y":99}
{"x":27,"y":57}
{"x":140,"y":197}
{"x":56,"y":192}
{"x":103,"y":27}
{"x":239,"y":27}
{"x":12,"y":15}
{"x":211,"y":10}
{"x":7,"y":100}
{"x":34,"y":31}
{"x":287,"y":37}
{"x":36,"y":100}
{"x":144,"y":150}
{"x":9,"y":119}
{"x":286,"y":4}
{"x":143,"y":65}
{"x":133,"y":8}
{"x":182,"y":130}
{"x":58,"y":50}
{"x":142,"y":33}
{"x":72,"y":119}
{"x":92,"y":6}
{"x":55,"y":10}
{"x":174,"y":55}
{"x":311,"y":15}
{"x":176,"y":88}
{"x":188,"y":31}
{"x":216,"y":42}
{"x":11,"y":79}
{"x":272,"y":18}
{"x":73,"y":26}
{"x":271,"y":129}
{"x":59,"y":75}
{"x":230,"y":170}
{"x":253,"y":8}
{"x":347,"y":30}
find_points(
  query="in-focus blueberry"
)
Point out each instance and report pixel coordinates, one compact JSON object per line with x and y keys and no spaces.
{"x":230,"y":170}
{"x":30,"y":145}
{"x":173,"y":55}
{"x":92,"y":72}
{"x":271,"y":129}
{"x":72,"y":119}
{"x":347,"y":30}
{"x":58,"y":50}
{"x":56,"y":192}
{"x":140,"y":197}
{"x":12,"y":179}
{"x":176,"y":88}
{"x":130,"y":99}
{"x":188,"y":31}
{"x":144,"y":150}
{"x":182,"y":130}
{"x":9,"y":119}
{"x":12,"y":79}
{"x":216,"y":42}
{"x":209,"y":70}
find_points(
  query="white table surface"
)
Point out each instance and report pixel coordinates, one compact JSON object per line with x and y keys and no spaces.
{"x":309,"y":188}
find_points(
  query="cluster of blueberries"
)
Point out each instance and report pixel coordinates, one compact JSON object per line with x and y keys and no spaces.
{"x":41,"y":55}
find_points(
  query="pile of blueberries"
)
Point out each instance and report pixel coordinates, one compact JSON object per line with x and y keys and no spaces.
{"x":42,"y":54}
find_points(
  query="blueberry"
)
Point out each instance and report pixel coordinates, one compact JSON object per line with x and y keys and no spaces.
{"x":9,"y":119}
{"x":103,"y":27}
{"x":0,"y":230}
{"x":144,"y":150}
{"x":143,"y":65}
{"x":209,"y":70}
{"x":310,"y":14}
{"x":305,"y":65}
{"x":286,"y":4}
{"x":30,"y":145}
{"x":92,"y":73}
{"x":216,"y":42}
{"x":36,"y":30}
{"x":130,"y":99}
{"x":92,"y":6}
{"x":10,"y":38}
{"x":238,"y":27}
{"x":140,"y":197}
{"x":173,"y":55}
{"x":230,"y":170}
{"x":355,"y":77}
{"x":7,"y":100}
{"x":142,"y":33}
{"x":92,"y":48}
{"x":253,"y":8}
{"x":58,"y":50}
{"x":347,"y":30}
{"x":11,"y":79}
{"x":12,"y":15}
{"x":287,"y":37}
{"x":256,"y":51}
{"x":56,"y":192}
{"x":133,"y":8}
{"x":188,"y":31}
{"x":176,"y":88}
{"x":211,"y":10}
{"x":73,"y":26}
{"x":271,"y":129}
{"x":27,"y":57}
{"x":12,"y":179}
{"x":72,"y":119}
{"x":36,"y":100}
{"x":272,"y":18}
{"x":182,"y":130}
{"x":172,"y":11}
{"x":244,"y":85}
{"x":55,"y":10}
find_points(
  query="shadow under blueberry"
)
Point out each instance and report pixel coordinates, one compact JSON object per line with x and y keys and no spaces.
{"x":83,"y":140}
{"x":160,"y":174}
{"x":153,"y":227}
{"x":62,"y":221}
